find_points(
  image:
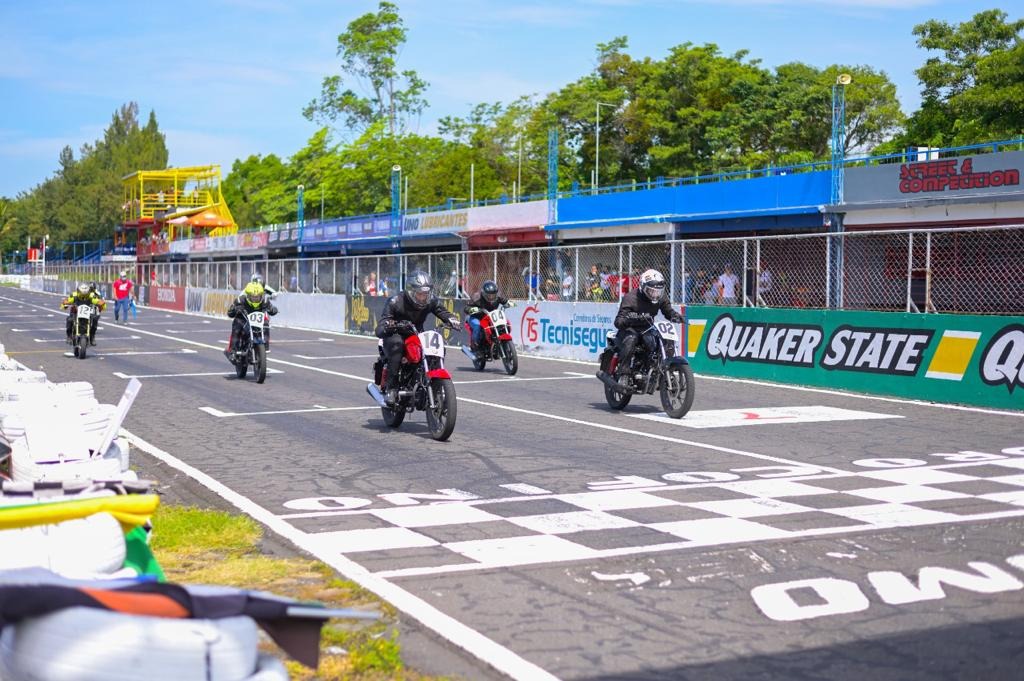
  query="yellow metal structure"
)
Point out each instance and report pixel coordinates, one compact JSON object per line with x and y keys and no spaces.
{"x":161,"y":197}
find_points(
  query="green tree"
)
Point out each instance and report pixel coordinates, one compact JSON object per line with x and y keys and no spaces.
{"x":369,"y":50}
{"x":975,"y":89}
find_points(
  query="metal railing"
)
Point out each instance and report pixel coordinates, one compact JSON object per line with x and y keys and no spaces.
{"x":953,"y":270}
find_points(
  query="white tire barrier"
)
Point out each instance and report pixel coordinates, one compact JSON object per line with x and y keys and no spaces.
{"x":74,"y":548}
{"x":87,"y":644}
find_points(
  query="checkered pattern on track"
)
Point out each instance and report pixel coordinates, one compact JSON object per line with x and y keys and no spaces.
{"x":480,"y":534}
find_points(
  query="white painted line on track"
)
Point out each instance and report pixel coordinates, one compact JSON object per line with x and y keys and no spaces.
{"x":376,"y":354}
{"x":470,"y":640}
{"x":317,"y":408}
{"x":204,"y":373}
{"x":183,"y":351}
{"x":762,"y":416}
{"x":102,"y":338}
{"x":517,"y":379}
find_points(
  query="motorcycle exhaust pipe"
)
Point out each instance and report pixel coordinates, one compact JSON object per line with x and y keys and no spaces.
{"x":376,"y":394}
{"x":610,"y":381}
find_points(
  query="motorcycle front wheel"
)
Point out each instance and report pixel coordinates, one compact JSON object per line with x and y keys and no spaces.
{"x":677,"y":390}
{"x":441,"y":418}
{"x":83,"y":343}
{"x":241,"y":365}
{"x":509,"y":357}
{"x":259,"y":369}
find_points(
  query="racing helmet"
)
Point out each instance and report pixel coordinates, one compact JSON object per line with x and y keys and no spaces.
{"x":92,"y":287}
{"x":652,"y":285}
{"x":83,"y":289}
{"x":124,"y":274}
{"x":489,"y":291}
{"x":253,"y":294}
{"x":257,"y":278}
{"x":418,"y":289}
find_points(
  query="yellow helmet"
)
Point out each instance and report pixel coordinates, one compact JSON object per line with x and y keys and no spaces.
{"x":253,"y":294}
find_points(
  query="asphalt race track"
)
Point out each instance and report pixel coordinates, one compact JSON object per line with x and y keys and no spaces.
{"x":773,"y":533}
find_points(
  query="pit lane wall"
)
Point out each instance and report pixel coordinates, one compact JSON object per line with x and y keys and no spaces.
{"x":964,"y":359}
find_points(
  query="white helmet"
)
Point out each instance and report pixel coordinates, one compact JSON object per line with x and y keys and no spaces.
{"x":652,"y":285}
{"x":124,"y":274}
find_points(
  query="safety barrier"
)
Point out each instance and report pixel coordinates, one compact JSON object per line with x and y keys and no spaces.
{"x":945,"y":358}
{"x":323,"y":312}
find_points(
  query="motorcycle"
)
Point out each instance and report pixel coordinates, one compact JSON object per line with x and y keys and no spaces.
{"x":658,"y":370}
{"x":251,"y":346}
{"x":497,"y":342}
{"x":424,"y":384}
{"x":80,"y":326}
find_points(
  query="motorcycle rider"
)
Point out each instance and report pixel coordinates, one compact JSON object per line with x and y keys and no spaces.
{"x":637,"y":309}
{"x":486,"y":300}
{"x":252,"y":299}
{"x":257,"y":278}
{"x":403,"y":316}
{"x":83,"y":295}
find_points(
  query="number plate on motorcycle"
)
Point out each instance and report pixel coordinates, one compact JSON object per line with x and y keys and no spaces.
{"x":668,"y":331}
{"x":257,"y":318}
{"x":432,"y":343}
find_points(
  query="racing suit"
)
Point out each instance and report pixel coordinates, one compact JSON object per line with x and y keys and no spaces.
{"x":393,"y":331}
{"x":635,"y":314}
{"x":77,"y":298}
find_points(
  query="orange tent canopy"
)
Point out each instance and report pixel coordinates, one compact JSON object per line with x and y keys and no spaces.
{"x":209,"y":218}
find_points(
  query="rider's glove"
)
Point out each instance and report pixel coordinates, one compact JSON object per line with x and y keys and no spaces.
{"x":272,"y":310}
{"x":510,"y":303}
{"x":473,"y":310}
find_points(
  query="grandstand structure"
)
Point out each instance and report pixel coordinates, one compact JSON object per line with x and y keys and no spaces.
{"x":161,"y":206}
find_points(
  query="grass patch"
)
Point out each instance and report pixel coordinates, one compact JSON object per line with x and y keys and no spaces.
{"x":212,"y":547}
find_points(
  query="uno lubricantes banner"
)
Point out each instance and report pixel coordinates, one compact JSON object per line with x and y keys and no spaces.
{"x":946,"y":358}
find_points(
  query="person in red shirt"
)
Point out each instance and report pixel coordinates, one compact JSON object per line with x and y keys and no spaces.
{"x":122,"y":295}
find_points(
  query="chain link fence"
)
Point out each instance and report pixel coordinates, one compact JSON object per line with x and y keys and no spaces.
{"x":952,"y":270}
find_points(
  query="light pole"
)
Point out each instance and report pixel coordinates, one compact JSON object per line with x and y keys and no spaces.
{"x":834,"y":280}
{"x":597,"y":143}
{"x":299,"y":216}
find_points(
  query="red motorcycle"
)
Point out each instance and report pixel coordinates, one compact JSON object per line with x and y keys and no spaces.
{"x":424,"y":385}
{"x":497,"y":342}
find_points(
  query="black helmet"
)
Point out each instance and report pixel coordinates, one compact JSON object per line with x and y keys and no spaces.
{"x":92,"y":286}
{"x":419,"y":289}
{"x":490,"y":291}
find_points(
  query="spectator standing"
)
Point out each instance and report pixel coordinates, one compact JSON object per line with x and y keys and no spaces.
{"x":122,"y":296}
{"x":370,"y":284}
{"x":728,"y":285}
{"x":567,"y":286}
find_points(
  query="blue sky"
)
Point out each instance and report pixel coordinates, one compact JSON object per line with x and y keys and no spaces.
{"x":229,"y":78}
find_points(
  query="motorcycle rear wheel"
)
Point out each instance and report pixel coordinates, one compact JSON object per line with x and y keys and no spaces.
{"x":392,"y":417}
{"x":677,"y":398}
{"x":259,"y":369}
{"x":509,"y":357}
{"x":441,"y":419}
{"x":480,"y":360}
{"x":616,"y":400}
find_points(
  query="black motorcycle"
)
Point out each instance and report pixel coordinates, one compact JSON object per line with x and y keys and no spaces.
{"x":659,"y":370}
{"x":81,"y":322}
{"x":251,"y":346}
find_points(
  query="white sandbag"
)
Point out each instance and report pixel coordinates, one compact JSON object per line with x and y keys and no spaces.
{"x":86,"y":644}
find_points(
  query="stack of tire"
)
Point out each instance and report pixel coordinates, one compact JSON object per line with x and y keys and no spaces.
{"x":54,"y":516}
